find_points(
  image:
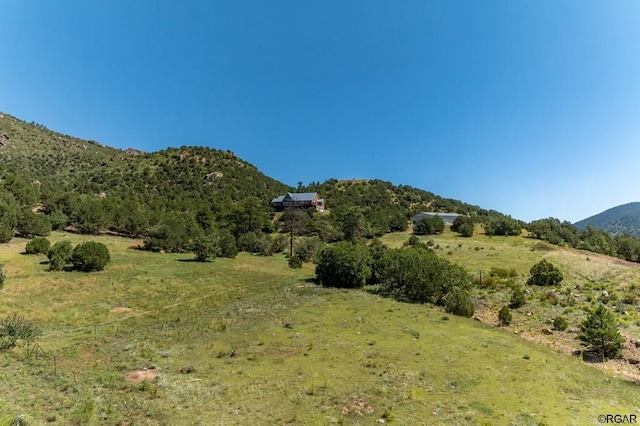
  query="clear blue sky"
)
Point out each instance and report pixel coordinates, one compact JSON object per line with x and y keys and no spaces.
{"x":531,"y":108}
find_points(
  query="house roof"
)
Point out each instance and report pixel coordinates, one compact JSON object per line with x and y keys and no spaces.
{"x":303,"y":196}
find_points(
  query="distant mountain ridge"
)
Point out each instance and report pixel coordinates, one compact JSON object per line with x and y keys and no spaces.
{"x":623,"y":219}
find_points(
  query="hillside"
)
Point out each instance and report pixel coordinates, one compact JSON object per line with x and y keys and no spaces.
{"x":157,"y":339}
{"x":92,"y":188}
{"x":623,"y":219}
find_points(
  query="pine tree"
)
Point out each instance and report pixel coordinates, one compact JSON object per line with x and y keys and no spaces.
{"x":599,"y":332}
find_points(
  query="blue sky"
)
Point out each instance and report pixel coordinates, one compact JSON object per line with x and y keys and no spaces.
{"x":531,"y":108}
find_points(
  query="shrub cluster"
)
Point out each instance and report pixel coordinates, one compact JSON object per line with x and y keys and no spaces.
{"x":88,"y":256}
{"x":412,"y":274}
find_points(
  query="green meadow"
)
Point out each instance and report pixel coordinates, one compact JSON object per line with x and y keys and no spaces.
{"x":159,"y":339}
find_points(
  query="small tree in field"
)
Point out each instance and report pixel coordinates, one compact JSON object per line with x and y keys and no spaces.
{"x":90,"y":256}
{"x":599,"y":332}
{"x":206,"y":247}
{"x":544,"y":273}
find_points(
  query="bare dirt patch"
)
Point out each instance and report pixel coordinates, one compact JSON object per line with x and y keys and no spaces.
{"x":121,"y":310}
{"x":139,"y":376}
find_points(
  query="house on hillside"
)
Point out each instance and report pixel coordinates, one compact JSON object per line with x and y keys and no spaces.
{"x":446,"y":217}
{"x":303,"y":200}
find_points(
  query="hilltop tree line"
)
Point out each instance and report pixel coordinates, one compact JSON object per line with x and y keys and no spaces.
{"x":555,"y":232}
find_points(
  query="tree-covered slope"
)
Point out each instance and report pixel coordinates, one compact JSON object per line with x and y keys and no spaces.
{"x":91,"y":188}
{"x":623,"y":219}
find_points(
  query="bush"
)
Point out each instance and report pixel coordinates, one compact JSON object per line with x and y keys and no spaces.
{"x":458,"y":302}
{"x":249,"y":242}
{"x":504,"y":316}
{"x":307,"y":248}
{"x":518,"y":299}
{"x":295,"y":262}
{"x":429,"y":225}
{"x":560,"y":323}
{"x":599,"y":331}
{"x":206,"y":247}
{"x":6,"y":234}
{"x":227,"y":242}
{"x":14,"y":328}
{"x":33,"y":224}
{"x":37,"y":245}
{"x":90,"y":256}
{"x":463,"y":225}
{"x":344,"y":264}
{"x":3,"y":276}
{"x":418,"y":275}
{"x":544,"y":273}
{"x":59,"y":255}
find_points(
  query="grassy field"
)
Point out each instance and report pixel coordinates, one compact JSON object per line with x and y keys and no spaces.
{"x":159,"y":339}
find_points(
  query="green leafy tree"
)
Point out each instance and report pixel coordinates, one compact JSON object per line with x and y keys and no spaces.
{"x":377,"y":249}
{"x":39,"y":245}
{"x":90,"y":256}
{"x":59,"y":255}
{"x":463,"y":225}
{"x":344,"y":264}
{"x":429,"y":225}
{"x":544,"y":273}
{"x":504,"y":316}
{"x":501,"y":225}
{"x":58,"y":219}
{"x":352,"y":223}
{"x":417,"y":275}
{"x":599,"y":332}
{"x":206,"y":247}
{"x":227,"y":242}
{"x":33,"y":224}
{"x":307,"y":248}
{"x":8,"y":221}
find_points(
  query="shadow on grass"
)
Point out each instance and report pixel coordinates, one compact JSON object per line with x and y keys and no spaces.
{"x":194,"y":260}
{"x":590,"y":357}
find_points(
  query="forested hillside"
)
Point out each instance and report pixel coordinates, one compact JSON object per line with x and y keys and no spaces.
{"x":624,"y":219}
{"x":51,"y":181}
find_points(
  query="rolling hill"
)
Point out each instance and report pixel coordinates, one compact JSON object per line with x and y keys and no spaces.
{"x":128,"y":191}
{"x":623,"y":219}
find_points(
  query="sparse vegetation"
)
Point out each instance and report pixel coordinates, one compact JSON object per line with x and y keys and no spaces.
{"x":14,"y":328}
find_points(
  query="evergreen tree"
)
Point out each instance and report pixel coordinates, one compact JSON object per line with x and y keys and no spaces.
{"x":599,"y":332}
